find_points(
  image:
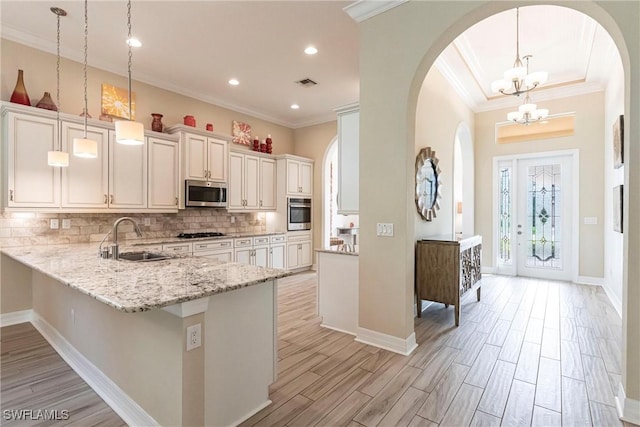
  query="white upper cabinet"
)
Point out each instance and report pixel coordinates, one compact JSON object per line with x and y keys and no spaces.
{"x":348,"y":159}
{"x":127,"y":175}
{"x":251,"y":182}
{"x":299,"y":178}
{"x":205,"y":158}
{"x":30,"y":181}
{"x":163,"y":174}
{"x":267,"y":184}
{"x":85,"y":183}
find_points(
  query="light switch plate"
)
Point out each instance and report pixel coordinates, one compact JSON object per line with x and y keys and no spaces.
{"x":384,"y":229}
{"x":66,"y":223}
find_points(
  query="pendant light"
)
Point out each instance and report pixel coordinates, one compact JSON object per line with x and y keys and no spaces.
{"x":85,"y":147}
{"x":129,"y":132}
{"x":58,"y":158}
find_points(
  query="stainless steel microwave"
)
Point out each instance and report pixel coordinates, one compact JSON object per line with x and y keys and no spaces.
{"x":205,"y":194}
{"x":298,"y":214}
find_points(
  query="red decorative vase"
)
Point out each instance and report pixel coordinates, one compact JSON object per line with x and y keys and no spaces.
{"x":47,"y":103}
{"x":210,"y":127}
{"x":156,"y":123}
{"x":256,"y":144}
{"x":19,"y":95}
{"x":263,"y":147}
{"x":190,"y":121}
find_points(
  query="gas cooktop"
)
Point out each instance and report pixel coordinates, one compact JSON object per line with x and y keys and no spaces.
{"x":199,"y":235}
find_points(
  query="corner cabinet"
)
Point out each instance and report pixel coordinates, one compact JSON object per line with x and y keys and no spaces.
{"x":121,"y":179}
{"x":252,"y":182}
{"x":348,"y":159}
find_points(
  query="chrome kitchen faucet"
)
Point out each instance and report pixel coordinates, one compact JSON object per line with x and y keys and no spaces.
{"x":113,"y":250}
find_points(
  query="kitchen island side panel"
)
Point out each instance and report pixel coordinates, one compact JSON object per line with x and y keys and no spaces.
{"x":140,"y":352}
{"x":15,"y":285}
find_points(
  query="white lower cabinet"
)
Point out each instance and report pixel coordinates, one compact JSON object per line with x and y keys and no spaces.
{"x":252,"y":250}
{"x":277,"y":251}
{"x":299,"y":252}
{"x":220,"y":250}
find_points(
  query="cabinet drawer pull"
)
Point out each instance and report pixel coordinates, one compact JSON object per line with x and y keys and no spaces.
{"x":224,"y":244}
{"x":11,"y":195}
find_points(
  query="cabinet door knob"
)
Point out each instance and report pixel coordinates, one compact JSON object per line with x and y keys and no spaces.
{"x":11,"y":195}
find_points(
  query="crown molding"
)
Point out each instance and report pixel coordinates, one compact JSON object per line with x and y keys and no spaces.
{"x":448,"y":73}
{"x":365,"y":9}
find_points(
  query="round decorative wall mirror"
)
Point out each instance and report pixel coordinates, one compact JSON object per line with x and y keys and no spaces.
{"x":427,"y":184}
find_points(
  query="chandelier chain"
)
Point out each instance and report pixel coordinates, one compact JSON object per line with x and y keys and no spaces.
{"x":58,"y":71}
{"x":130,"y":54}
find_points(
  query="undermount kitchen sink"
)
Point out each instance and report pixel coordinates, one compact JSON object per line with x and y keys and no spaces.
{"x":142,"y":256}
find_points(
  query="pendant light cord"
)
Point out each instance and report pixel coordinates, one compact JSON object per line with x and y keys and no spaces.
{"x":130,"y":55}
{"x":517,"y":33}
{"x":86,"y":37}
{"x":58,"y":82}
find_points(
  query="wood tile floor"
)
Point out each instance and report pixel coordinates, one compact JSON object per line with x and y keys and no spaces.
{"x":532,"y":352}
{"x":34,"y":377}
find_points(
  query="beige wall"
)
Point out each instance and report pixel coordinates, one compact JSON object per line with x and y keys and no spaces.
{"x":40,"y":76}
{"x":589,"y":128}
{"x":15,"y":285}
{"x":393,"y":63}
{"x":438,"y":114}
{"x":312,"y":142}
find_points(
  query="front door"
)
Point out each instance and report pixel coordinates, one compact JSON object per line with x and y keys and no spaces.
{"x":544,"y":217}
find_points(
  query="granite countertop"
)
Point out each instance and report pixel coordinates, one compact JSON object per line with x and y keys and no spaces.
{"x":335,"y":250}
{"x":139,"y":286}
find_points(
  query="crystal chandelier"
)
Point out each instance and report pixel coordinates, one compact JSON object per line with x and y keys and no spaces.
{"x":527,"y":113}
{"x":518,"y":80}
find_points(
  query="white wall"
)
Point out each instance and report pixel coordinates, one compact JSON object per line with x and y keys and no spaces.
{"x":613,"y":241}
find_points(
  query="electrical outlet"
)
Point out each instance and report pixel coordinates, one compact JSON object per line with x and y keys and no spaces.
{"x":233,"y":220}
{"x":54,"y":224}
{"x":193,"y":336}
{"x":66,"y":223}
{"x":384,"y":229}
{"x":147,"y":221}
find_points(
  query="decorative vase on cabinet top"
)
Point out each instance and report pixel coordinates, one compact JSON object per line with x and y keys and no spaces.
{"x":47,"y":103}
{"x":190,"y":121}
{"x":19,"y":95}
{"x":156,"y":124}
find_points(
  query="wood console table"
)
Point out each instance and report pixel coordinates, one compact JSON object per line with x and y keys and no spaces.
{"x":446,"y":268}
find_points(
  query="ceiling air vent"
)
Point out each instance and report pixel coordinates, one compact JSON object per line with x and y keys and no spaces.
{"x":306,"y":82}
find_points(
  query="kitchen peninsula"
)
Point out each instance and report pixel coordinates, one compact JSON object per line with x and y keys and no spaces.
{"x":127,"y":325}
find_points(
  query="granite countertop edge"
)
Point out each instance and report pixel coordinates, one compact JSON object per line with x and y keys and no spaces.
{"x":103,"y":280}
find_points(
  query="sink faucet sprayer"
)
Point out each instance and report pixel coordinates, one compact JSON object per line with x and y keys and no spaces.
{"x":112,"y":251}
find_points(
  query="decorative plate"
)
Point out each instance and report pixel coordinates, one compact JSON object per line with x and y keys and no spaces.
{"x":241,"y":133}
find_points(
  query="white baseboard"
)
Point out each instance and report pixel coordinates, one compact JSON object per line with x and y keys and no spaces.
{"x":344,"y":331}
{"x":588,"y":280}
{"x":16,"y":317}
{"x":387,"y":342}
{"x":114,"y":396}
{"x":613,"y":299}
{"x":488,"y":270}
{"x":250,"y":414}
{"x":628,"y":409}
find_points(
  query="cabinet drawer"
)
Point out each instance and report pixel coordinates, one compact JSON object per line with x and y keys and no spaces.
{"x":298,"y":236}
{"x":208,"y":246}
{"x":243,"y":242}
{"x":178,"y":247}
{"x":281,"y":238}
{"x":149,"y":248}
{"x":263,"y":240}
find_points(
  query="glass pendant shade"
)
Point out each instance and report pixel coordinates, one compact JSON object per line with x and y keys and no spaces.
{"x":514,"y":116}
{"x":537,"y":78}
{"x":129,"y":133}
{"x":86,"y":148}
{"x":58,"y":158}
{"x":527,"y":108}
{"x":515,"y":74}
{"x":542,"y":113}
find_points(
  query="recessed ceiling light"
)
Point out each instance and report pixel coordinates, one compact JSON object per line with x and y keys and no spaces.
{"x":310,"y":50}
{"x":134,"y":42}
{"x":234,"y":82}
{"x":294,"y":106}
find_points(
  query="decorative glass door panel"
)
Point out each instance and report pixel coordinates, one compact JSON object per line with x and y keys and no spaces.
{"x":544,"y":222}
{"x":543,"y":217}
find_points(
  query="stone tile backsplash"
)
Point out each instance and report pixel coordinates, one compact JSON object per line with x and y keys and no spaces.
{"x":33,"y":228}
